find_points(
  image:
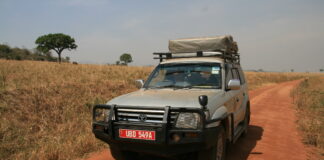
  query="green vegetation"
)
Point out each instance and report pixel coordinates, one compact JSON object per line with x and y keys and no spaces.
{"x":309,"y":100}
{"x":57,"y":42}
{"x":6,"y":52}
{"x":125,"y":58}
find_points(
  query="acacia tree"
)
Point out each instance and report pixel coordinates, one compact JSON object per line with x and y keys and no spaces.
{"x":126,"y":58}
{"x":57,"y":42}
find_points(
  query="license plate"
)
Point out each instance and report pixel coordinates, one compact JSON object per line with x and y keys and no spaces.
{"x":137,"y":134}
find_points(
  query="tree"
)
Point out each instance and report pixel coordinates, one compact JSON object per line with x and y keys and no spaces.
{"x":67,"y":59}
{"x":126,"y":58}
{"x":57,"y":42}
{"x":321,"y":70}
{"x":4,"y":48}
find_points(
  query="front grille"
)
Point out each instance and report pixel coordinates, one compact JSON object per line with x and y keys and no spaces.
{"x":144,"y":115}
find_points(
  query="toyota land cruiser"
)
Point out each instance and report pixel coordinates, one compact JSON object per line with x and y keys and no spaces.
{"x":195,"y":101}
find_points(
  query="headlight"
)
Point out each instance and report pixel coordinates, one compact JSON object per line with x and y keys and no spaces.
{"x":188,"y":120}
{"x":101,"y":115}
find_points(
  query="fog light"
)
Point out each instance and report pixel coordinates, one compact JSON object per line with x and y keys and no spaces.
{"x":175,"y":137}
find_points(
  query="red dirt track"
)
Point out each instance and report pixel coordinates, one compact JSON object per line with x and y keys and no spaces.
{"x":272,"y":133}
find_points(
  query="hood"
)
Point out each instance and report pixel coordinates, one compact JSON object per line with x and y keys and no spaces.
{"x":165,"y":97}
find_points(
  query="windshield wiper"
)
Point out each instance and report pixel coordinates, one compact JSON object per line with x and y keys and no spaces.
{"x":155,"y":87}
{"x":172,"y":86}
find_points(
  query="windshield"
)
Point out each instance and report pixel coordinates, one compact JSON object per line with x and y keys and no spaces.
{"x":193,"y":75}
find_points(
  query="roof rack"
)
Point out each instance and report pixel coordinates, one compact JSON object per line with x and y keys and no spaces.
{"x":233,"y":58}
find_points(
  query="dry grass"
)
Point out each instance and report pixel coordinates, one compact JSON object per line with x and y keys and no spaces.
{"x":45,"y":108}
{"x":258,"y":79}
{"x":309,"y":100}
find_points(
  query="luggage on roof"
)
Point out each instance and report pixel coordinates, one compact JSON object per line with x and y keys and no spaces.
{"x":224,"y":44}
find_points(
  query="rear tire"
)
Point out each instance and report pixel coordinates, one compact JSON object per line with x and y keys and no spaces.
{"x":246,"y":121}
{"x":216,"y":152}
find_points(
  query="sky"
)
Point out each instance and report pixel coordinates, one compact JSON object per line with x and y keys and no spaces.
{"x":276,"y":35}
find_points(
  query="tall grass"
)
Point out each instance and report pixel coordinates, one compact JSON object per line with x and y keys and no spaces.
{"x":258,"y":79}
{"x":309,"y":100}
{"x":45,"y":108}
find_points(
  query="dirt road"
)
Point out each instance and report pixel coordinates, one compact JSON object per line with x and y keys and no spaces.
{"x":272,"y":133}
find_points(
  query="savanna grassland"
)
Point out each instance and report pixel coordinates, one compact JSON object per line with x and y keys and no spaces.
{"x":45,"y":107}
{"x":309,"y":100}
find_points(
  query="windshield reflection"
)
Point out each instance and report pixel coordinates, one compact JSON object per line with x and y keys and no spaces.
{"x":186,"y":76}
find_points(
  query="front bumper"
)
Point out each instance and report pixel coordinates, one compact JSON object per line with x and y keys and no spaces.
{"x":190,"y":140}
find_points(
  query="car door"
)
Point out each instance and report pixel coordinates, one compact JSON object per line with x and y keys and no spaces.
{"x":229,"y":94}
{"x":232,"y":96}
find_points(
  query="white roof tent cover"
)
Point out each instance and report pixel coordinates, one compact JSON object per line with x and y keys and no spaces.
{"x":224,"y":44}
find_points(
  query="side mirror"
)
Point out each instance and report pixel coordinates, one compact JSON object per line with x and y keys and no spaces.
{"x":203,"y":100}
{"x":139,"y":83}
{"x":234,"y":84}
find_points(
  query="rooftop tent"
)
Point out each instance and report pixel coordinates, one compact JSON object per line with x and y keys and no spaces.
{"x":224,"y":44}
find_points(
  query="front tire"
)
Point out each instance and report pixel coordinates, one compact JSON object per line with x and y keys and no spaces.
{"x":217,"y":152}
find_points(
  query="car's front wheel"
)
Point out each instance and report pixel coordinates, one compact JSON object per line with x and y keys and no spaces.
{"x":217,"y":152}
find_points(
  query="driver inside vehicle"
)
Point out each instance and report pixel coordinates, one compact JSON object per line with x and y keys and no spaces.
{"x":202,"y":78}
{"x":205,"y":75}
{"x":177,"y":77}
{"x":174,"y":77}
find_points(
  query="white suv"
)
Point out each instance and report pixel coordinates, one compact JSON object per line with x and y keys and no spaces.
{"x":193,"y":102}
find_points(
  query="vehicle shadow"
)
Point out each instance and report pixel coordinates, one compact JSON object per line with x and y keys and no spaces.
{"x":244,"y":145}
{"x":238,"y":151}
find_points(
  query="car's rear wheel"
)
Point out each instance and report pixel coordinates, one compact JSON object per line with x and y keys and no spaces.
{"x":246,"y":121}
{"x":216,"y":152}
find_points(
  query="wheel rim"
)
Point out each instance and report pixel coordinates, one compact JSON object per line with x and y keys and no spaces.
{"x":220,"y":147}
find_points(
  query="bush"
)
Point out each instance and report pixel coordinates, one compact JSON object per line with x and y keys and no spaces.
{"x":6,"y":52}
